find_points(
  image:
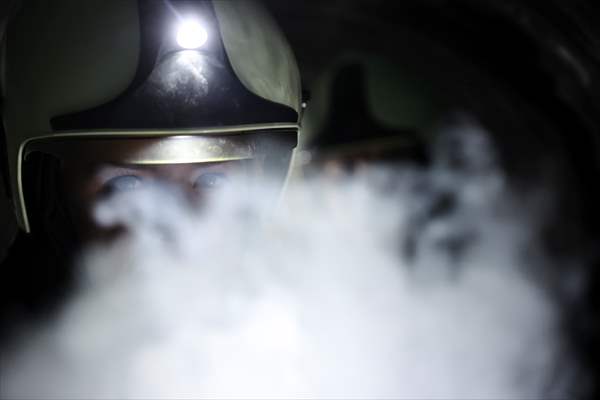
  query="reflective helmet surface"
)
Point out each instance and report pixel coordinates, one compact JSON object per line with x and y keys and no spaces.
{"x":217,"y":74}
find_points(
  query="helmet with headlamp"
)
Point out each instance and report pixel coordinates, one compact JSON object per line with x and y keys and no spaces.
{"x":187,"y":81}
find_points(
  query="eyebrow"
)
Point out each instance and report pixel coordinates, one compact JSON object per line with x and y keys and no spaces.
{"x":104,"y":172}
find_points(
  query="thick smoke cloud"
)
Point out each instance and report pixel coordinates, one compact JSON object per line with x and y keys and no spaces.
{"x":393,"y":283}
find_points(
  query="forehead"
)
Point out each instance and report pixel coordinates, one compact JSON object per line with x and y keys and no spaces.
{"x":169,"y":171}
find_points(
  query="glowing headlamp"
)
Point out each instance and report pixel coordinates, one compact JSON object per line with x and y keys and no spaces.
{"x":191,"y":34}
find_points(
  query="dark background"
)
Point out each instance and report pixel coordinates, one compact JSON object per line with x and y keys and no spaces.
{"x":7,"y":223}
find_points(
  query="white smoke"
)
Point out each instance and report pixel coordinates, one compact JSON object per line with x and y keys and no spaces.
{"x":394,"y":283}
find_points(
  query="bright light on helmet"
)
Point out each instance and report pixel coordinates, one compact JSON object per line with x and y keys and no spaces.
{"x":191,"y":34}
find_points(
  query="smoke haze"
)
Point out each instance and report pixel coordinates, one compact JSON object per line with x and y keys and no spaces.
{"x":392,"y":283}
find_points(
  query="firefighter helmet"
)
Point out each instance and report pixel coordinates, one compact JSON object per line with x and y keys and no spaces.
{"x":182,"y":80}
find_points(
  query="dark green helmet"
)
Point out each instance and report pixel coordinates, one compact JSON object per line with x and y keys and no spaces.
{"x":219,"y":74}
{"x":369,"y":106}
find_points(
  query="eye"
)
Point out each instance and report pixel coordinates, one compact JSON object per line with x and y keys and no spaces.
{"x":122,"y":183}
{"x":211,"y":180}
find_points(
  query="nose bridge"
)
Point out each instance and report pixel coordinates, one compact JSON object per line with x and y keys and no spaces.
{"x":178,"y":177}
{"x":178,"y":174}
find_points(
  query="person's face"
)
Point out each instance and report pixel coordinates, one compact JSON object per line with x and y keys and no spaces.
{"x":89,"y":184}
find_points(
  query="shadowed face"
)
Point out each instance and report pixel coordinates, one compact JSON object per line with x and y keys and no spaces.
{"x":90,"y":169}
{"x":88,"y":184}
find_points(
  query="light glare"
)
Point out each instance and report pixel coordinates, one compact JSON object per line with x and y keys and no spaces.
{"x":191,"y":35}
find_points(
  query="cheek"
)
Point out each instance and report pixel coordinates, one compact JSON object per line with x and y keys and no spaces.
{"x":82,"y":192}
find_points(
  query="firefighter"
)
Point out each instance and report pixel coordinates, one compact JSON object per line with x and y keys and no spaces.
{"x":101,"y":96}
{"x":367,"y":108}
